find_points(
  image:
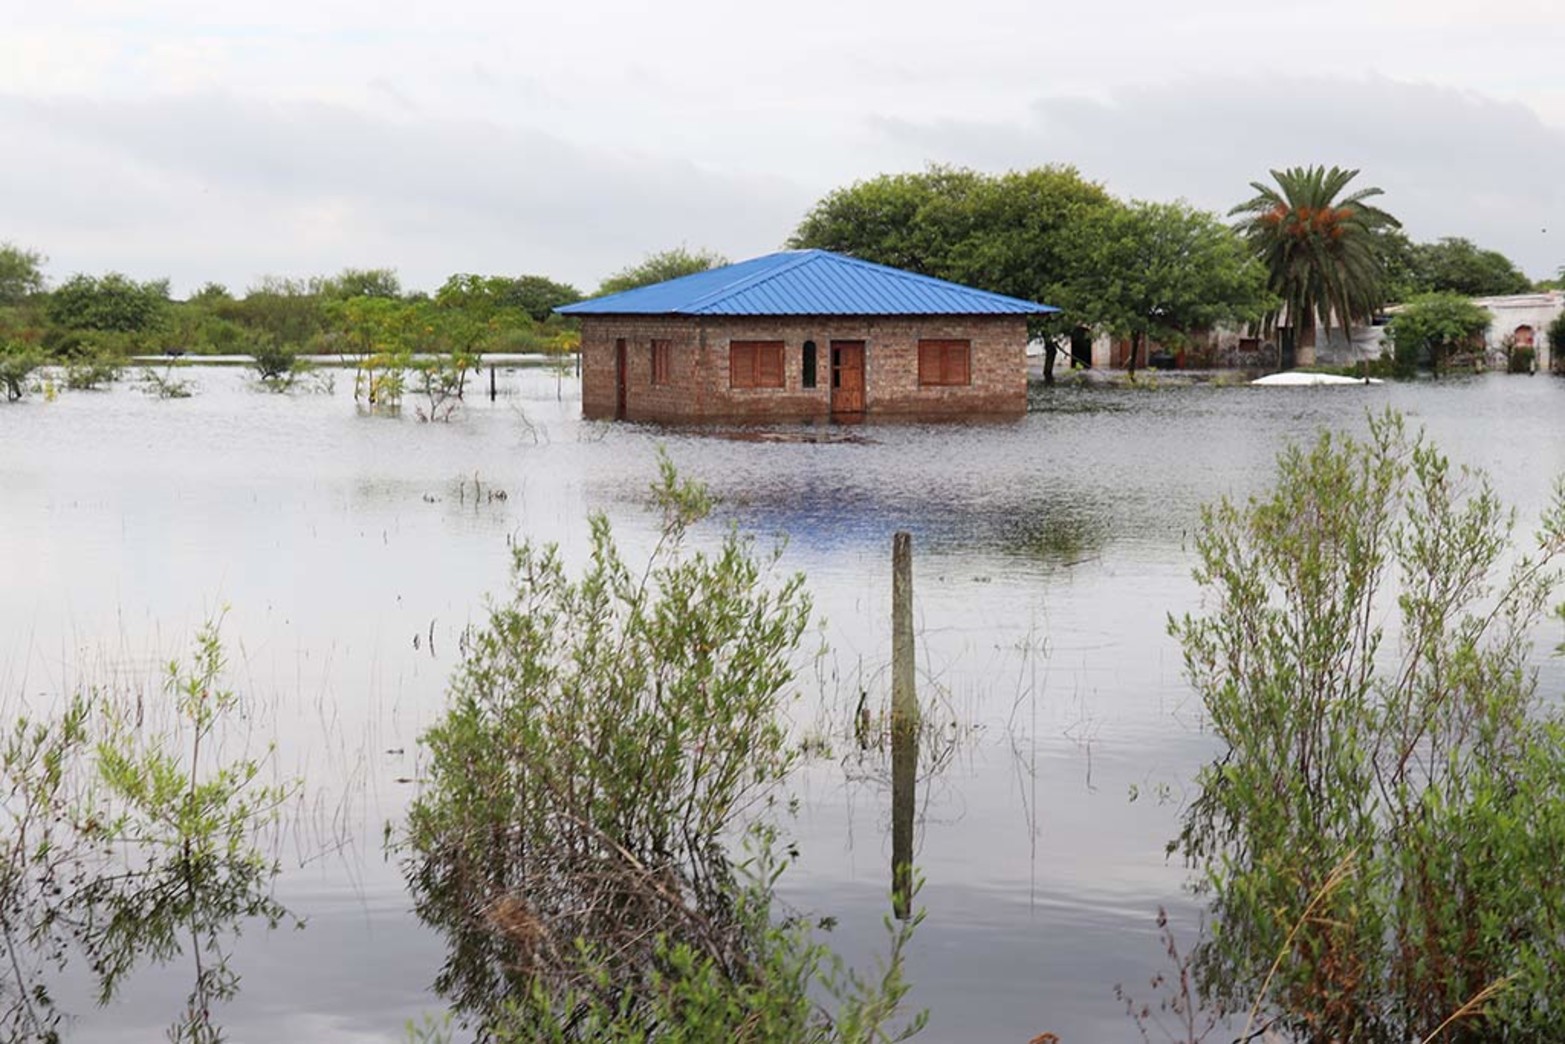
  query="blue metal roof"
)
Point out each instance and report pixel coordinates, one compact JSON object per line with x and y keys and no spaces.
{"x":805,"y":282}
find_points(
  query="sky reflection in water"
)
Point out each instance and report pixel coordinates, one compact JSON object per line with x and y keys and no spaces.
{"x":1047,"y":555}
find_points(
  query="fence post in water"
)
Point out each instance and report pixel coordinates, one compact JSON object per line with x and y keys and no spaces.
{"x":491,"y":382}
{"x":904,"y":725}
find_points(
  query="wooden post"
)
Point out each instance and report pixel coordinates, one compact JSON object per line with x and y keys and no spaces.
{"x":904,"y":698}
{"x":904,"y":726}
{"x":491,"y":382}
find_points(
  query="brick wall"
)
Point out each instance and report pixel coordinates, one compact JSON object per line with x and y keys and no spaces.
{"x":698,"y":388}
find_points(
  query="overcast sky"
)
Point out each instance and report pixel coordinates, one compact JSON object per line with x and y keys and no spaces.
{"x":202,"y":139}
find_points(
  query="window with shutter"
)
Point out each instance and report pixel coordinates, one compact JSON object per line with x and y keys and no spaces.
{"x":944,"y":362}
{"x":755,"y":364}
{"x":662,"y":361}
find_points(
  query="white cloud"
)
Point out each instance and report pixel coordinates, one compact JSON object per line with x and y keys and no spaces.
{"x":212,"y":187}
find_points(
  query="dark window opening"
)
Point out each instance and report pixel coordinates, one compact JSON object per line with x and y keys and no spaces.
{"x":807,"y":371}
{"x":836,"y":367}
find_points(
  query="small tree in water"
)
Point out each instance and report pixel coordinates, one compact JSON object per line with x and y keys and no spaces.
{"x":1381,"y":835}
{"x":608,"y":739}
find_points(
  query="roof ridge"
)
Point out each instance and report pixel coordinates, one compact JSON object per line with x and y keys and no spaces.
{"x":753,"y":280}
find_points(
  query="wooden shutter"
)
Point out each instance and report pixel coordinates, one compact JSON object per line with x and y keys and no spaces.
{"x":755,"y":364}
{"x":928,"y":362}
{"x":741,"y":364}
{"x":944,"y":362}
{"x":769,"y":365}
{"x":958,"y":355}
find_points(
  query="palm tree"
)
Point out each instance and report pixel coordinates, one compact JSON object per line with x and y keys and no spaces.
{"x":1319,"y":251}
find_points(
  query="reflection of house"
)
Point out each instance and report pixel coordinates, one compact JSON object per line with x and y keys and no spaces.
{"x":802,"y":335}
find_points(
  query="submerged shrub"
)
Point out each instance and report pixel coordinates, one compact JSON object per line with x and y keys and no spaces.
{"x":275,"y":363}
{"x":17,"y":363}
{"x":608,"y":738}
{"x":91,"y":373}
{"x":1381,"y":834}
{"x":132,"y":835}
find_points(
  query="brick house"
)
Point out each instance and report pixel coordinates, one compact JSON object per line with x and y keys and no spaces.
{"x":803,"y":335}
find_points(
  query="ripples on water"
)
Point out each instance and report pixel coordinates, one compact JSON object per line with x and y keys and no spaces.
{"x":1048,"y":554}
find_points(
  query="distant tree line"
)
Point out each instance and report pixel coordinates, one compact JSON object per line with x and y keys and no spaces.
{"x":1307,"y":251}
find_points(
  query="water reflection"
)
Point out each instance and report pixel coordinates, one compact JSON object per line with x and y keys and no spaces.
{"x":131,"y":843}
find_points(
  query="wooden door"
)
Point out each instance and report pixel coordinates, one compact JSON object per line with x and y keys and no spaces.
{"x":619,"y":379}
{"x":847,"y":378}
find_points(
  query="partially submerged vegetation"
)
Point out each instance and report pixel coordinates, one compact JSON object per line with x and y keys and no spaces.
{"x":597,"y":836}
{"x":1379,"y":838}
{"x":132,"y":838}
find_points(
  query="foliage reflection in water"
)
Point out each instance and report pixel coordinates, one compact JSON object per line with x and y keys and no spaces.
{"x":132,"y":840}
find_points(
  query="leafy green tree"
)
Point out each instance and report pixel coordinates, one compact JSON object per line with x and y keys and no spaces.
{"x":539,"y":296}
{"x":1014,"y":233}
{"x":286,"y":310}
{"x":211,"y":293}
{"x":916,"y":222}
{"x":1399,"y":268}
{"x":670,"y":264}
{"x":21,"y":273}
{"x":1159,"y":271}
{"x":1458,"y":266}
{"x":1318,"y":248}
{"x":1556,"y":336}
{"x":1433,"y":327}
{"x":111,"y":302}
{"x":1018,"y":233}
{"x":1379,"y":834}
{"x":360,"y":282}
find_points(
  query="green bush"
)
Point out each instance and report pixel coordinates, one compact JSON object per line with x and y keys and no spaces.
{"x":1433,"y":327}
{"x":1381,"y":833}
{"x":607,"y":739}
{"x":92,"y":373}
{"x":17,"y":363}
{"x":276,"y":364}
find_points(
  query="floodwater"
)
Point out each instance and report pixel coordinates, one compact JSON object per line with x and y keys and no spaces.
{"x":348,"y":552}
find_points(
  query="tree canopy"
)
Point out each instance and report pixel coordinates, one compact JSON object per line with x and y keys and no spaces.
{"x":1448,"y":265}
{"x":111,"y":302}
{"x":1159,"y":271}
{"x":1016,"y":233}
{"x":21,"y":273}
{"x":669,"y":264}
{"x":1459,"y":266}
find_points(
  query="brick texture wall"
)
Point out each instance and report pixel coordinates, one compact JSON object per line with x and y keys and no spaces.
{"x":698,"y":388}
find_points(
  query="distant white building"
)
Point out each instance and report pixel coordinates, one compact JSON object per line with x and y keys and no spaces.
{"x":1521,"y":319}
{"x":1524,"y":320}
